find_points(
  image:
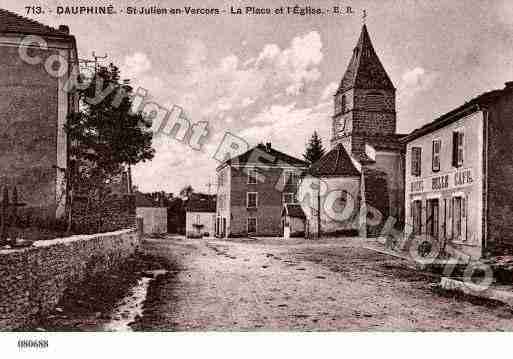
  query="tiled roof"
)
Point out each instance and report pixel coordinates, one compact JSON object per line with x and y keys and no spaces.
{"x":201,"y":203}
{"x":14,"y":23}
{"x":365,"y":70}
{"x":386,"y":142}
{"x":293,"y":210}
{"x":459,"y":112}
{"x":336,"y":162}
{"x":263,"y":155}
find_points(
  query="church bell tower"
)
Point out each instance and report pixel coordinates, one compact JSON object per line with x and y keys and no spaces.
{"x":364,"y":102}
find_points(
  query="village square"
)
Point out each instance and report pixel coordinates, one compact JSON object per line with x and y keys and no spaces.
{"x":373,"y":228}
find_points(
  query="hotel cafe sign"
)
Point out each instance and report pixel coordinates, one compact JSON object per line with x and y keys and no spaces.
{"x":442,"y":182}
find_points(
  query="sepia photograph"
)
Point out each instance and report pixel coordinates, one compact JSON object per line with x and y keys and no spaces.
{"x":230,"y":169}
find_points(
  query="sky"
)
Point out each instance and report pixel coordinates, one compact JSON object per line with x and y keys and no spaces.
{"x":271,"y":78}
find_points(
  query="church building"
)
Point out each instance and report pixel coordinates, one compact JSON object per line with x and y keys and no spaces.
{"x":363,"y":171}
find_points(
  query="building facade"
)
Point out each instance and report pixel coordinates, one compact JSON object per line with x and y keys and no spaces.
{"x":458,"y":177}
{"x":34,"y":106}
{"x":252,"y":189}
{"x":200,"y":216}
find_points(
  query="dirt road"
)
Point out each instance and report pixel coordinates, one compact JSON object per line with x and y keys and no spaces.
{"x":330,"y":285}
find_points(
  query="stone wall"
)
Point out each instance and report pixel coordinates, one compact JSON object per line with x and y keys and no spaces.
{"x":33,"y":110}
{"x":500,"y":174}
{"x":28,"y":118}
{"x":115,"y":213}
{"x":34,"y":279}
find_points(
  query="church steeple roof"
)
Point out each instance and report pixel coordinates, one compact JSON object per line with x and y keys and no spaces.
{"x":365,"y":70}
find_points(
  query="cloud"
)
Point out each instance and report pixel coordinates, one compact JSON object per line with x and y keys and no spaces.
{"x":238,"y":95}
{"x":174,"y":166}
{"x":135,"y":64}
{"x":504,"y":10}
{"x":247,"y":101}
{"x":295,"y":66}
{"x":277,"y":122}
{"x":329,"y":91}
{"x":234,"y":83}
{"x":414,"y":81}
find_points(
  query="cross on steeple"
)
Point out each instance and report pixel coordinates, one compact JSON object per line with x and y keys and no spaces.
{"x":364,"y":16}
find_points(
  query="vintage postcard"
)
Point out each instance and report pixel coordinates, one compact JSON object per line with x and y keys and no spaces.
{"x":255,"y":166}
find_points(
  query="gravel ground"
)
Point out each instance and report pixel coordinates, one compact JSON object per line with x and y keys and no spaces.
{"x":300,"y":285}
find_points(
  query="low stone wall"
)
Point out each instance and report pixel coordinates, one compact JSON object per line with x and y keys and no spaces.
{"x":115,"y":213}
{"x":33,"y":279}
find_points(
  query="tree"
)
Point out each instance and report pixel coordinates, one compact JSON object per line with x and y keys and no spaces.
{"x":186,"y":192}
{"x":314,"y":149}
{"x":106,"y":137}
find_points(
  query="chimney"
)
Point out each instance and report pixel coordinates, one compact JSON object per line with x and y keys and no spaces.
{"x":268,"y":146}
{"x":64,"y":28}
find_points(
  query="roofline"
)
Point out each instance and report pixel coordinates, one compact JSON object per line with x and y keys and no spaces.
{"x":49,"y":36}
{"x":249,"y":164}
{"x":442,"y":121}
{"x":57,"y":33}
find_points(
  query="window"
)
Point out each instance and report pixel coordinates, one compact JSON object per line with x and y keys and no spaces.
{"x":456,"y":218}
{"x":220,"y":179}
{"x":457,"y":148}
{"x":198,"y":219}
{"x":291,"y":178}
{"x":459,"y":212}
{"x":252,"y":199}
{"x":416,"y":212}
{"x":437,"y":146}
{"x":252,"y":225}
{"x":432,"y":217}
{"x":288,"y":197}
{"x":340,"y":104}
{"x":252,"y":176}
{"x":416,"y":156}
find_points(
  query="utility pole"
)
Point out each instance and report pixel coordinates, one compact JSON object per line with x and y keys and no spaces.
{"x":92,"y":62}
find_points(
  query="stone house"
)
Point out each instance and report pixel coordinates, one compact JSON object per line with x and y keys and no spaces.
{"x":200,"y":216}
{"x":293,"y":220}
{"x":458,"y":176}
{"x":153,"y":214}
{"x":332,"y":184}
{"x":251,"y":191}
{"x":34,"y":106}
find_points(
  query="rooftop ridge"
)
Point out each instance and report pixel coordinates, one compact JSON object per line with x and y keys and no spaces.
{"x":12,"y":22}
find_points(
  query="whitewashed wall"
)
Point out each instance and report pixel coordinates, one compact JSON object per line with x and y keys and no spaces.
{"x":154,"y":219}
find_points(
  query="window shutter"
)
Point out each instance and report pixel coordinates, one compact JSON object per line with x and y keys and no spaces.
{"x":455,"y":149}
{"x":415,"y":161}
{"x":435,"y":161}
{"x":412,"y":164}
{"x":419,"y":159}
{"x":433,"y":155}
{"x":460,"y":148}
